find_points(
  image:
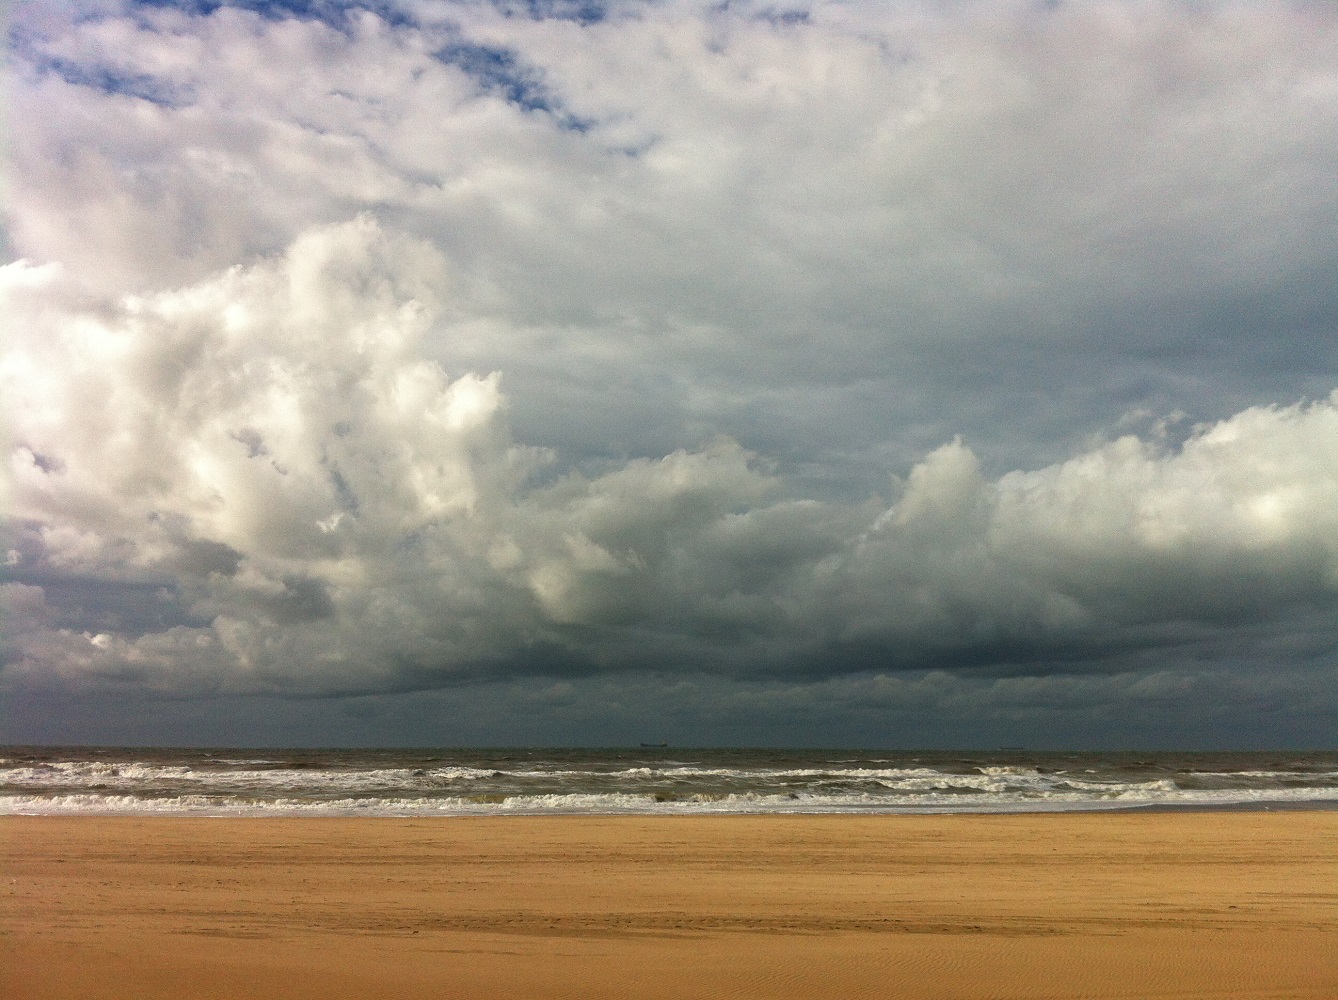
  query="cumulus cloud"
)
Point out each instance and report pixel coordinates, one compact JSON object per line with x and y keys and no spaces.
{"x":823,"y":232}
{"x":258,"y":483}
{"x":899,"y":359}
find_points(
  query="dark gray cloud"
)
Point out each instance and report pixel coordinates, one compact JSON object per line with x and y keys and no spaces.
{"x":968,"y":364}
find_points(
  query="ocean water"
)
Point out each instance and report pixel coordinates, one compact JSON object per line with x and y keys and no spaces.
{"x":647,"y":780}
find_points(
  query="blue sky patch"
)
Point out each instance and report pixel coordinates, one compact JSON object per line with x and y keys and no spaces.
{"x":581,"y":11}
{"x":499,"y":71}
{"x":331,"y":12}
{"x":112,"y":81}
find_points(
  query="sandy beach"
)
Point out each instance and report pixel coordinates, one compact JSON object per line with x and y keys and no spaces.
{"x":1146,"y":905}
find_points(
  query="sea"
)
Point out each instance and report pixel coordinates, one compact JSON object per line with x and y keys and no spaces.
{"x":650,"y":780}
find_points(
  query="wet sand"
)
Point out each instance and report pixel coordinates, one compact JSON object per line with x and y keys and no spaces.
{"x":1135,"y":905}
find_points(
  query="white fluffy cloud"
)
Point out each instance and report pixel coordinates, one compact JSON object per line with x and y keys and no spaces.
{"x":268,"y":463}
{"x":729,"y":359}
{"x":840,"y":238}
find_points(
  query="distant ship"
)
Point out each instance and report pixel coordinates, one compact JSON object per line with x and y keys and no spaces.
{"x":662,"y":744}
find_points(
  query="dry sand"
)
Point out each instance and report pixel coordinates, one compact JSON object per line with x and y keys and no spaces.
{"x":1184,"y":905}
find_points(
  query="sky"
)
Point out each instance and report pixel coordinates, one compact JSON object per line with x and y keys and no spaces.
{"x":888,"y":374}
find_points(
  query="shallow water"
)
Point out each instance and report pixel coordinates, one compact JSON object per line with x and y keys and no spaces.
{"x":654,"y":780}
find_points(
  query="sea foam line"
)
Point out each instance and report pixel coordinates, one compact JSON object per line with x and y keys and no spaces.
{"x":647,"y":804}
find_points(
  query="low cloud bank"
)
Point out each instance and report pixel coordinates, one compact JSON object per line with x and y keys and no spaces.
{"x":261,"y":483}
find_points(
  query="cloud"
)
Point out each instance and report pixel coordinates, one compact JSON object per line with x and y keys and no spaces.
{"x":901,"y":361}
{"x":823,"y":237}
{"x":307,"y":504}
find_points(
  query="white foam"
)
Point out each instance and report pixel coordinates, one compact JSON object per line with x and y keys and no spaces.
{"x":138,"y":776}
{"x":230,"y":786}
{"x":628,"y":803}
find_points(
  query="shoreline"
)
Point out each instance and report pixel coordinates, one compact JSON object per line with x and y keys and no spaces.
{"x":652,"y":782}
{"x":1168,"y":903}
{"x":1310,"y":805}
